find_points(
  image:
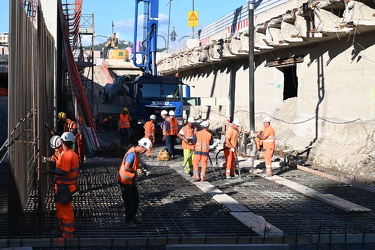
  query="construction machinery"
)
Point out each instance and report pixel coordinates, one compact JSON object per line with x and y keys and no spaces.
{"x":150,"y":93}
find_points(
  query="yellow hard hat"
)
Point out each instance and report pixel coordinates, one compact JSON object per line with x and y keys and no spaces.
{"x":110,"y":117}
{"x":125,"y":109}
{"x":61,"y":116}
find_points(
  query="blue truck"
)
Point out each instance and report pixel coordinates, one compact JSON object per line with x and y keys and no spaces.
{"x":149,"y":93}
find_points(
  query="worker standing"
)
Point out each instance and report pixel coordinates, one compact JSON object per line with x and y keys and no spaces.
{"x":186,"y":134}
{"x":124,"y":127}
{"x":173,"y":131}
{"x":230,"y":148}
{"x":150,"y":132}
{"x":127,"y":175}
{"x":267,"y":140}
{"x":166,"y":127}
{"x":66,"y":175}
{"x":202,"y":140}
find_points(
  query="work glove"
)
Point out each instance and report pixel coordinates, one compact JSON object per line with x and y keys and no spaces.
{"x":139,"y":172}
{"x":232,"y":149}
{"x":44,"y":159}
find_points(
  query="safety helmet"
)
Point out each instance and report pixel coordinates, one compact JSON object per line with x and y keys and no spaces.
{"x":125,"y":109}
{"x":171,"y":112}
{"x":267,"y":119}
{"x":109,"y":117}
{"x":55,"y":141}
{"x":61,"y":116}
{"x":205,"y":124}
{"x":236,"y":122}
{"x":68,"y":136}
{"x":164,"y":112}
{"x":152,"y":117}
{"x":191,"y":119}
{"x":145,"y":142}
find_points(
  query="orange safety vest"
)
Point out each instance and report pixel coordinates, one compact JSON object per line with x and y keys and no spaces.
{"x":188,"y":134}
{"x":70,"y":126}
{"x":124,"y":121}
{"x":68,"y":162}
{"x":125,"y":177}
{"x":149,"y":129}
{"x":269,"y":133}
{"x":203,"y":141}
{"x":173,"y":125}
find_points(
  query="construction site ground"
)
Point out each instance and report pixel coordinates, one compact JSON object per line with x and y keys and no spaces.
{"x":176,"y":211}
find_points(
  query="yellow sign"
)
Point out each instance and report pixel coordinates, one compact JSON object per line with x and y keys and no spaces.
{"x":192,"y":18}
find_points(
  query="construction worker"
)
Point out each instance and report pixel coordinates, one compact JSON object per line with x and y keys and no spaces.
{"x":166,"y":127}
{"x":267,"y":140}
{"x":56,"y":144}
{"x":186,"y":134}
{"x":173,"y":130}
{"x":69,"y":125}
{"x":202,"y":140}
{"x":124,"y":127}
{"x":127,"y":175}
{"x":230,"y":148}
{"x":66,"y":175}
{"x":150,"y":132}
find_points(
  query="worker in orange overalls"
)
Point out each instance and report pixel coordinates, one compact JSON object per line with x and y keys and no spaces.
{"x":186,"y":134}
{"x":202,"y":140}
{"x":267,"y":139}
{"x":66,"y":175}
{"x":127,"y":175}
{"x":173,"y":131}
{"x":71,"y":126}
{"x":56,"y":144}
{"x":230,"y":149}
{"x":150,"y":132}
{"x":124,"y":127}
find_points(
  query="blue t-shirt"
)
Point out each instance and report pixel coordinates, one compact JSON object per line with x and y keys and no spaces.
{"x":130,"y":158}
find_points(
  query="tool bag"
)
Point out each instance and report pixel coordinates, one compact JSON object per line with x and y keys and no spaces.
{"x":164,"y":155}
{"x":63,"y":194}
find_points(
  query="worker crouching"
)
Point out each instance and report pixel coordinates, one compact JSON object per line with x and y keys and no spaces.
{"x":202,"y":140}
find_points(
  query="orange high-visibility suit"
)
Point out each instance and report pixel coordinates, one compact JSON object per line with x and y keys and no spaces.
{"x":67,"y":162}
{"x":268,"y":147}
{"x":150,"y":134}
{"x":230,"y":157}
{"x":202,"y":139}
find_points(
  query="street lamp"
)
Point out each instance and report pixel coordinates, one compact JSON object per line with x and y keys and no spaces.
{"x":165,"y":41}
{"x":251,"y":64}
{"x":169,"y":22}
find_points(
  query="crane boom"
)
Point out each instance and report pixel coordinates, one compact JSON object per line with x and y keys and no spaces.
{"x":148,"y":46}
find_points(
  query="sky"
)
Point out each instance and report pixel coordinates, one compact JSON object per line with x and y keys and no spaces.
{"x":122,"y":14}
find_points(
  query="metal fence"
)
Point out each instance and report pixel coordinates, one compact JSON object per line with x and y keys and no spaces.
{"x":30,"y":93}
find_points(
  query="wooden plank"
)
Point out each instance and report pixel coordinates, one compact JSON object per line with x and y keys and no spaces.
{"x":329,"y":199}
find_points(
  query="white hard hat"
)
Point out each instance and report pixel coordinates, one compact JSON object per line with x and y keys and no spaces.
{"x":267,"y":119}
{"x":55,"y":141}
{"x":152,"y":117}
{"x":145,"y":142}
{"x":191,"y":119}
{"x":171,"y":112}
{"x":236,"y":122}
{"x":68,"y":136}
{"x":164,"y":112}
{"x":205,"y":124}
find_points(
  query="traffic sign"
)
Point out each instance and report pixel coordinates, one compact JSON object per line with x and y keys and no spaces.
{"x":192,"y":18}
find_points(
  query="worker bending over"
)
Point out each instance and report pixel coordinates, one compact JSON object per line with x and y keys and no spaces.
{"x":186,"y":134}
{"x":127,"y":176}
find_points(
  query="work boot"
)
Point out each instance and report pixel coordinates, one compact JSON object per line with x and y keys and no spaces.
{"x":56,"y":233}
{"x":228,"y":177}
{"x":137,"y":221}
{"x":196,"y":179}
